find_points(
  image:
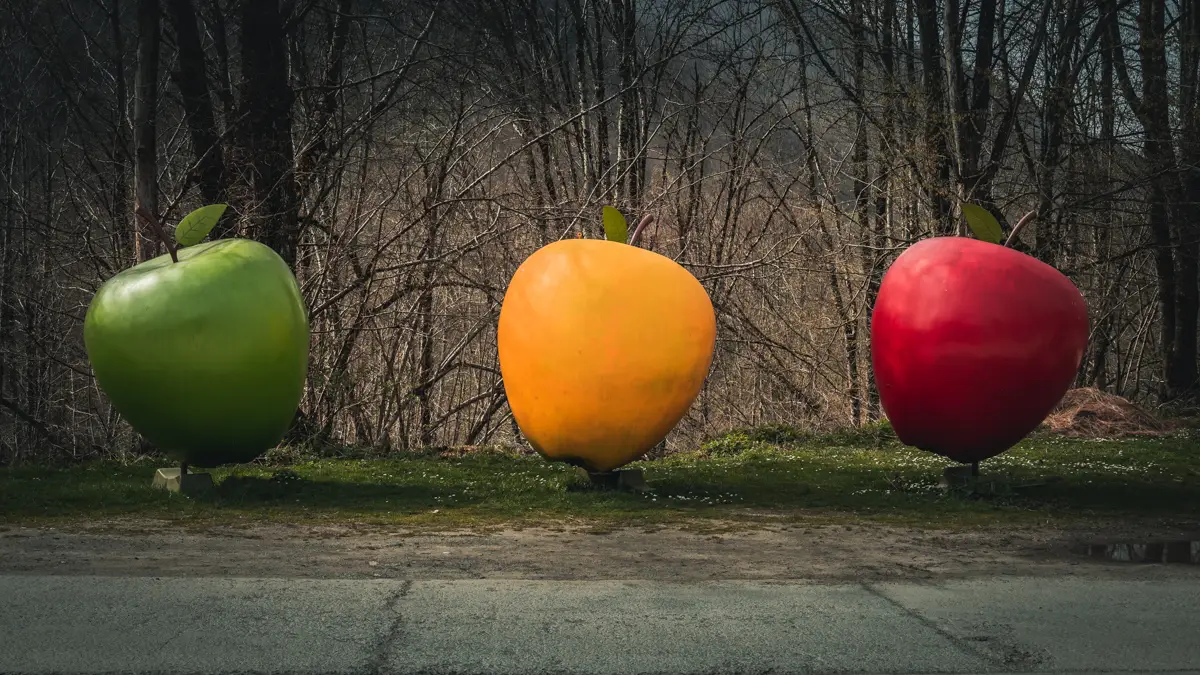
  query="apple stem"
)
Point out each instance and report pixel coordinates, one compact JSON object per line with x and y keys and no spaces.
{"x":1025,"y":220}
{"x":646,"y":220}
{"x":158,"y":231}
{"x":975,"y":469}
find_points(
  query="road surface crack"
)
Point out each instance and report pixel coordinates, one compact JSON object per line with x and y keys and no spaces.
{"x":379,"y":655}
{"x":994,"y":649}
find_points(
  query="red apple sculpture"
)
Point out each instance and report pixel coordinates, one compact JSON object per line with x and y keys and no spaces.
{"x":973,"y":344}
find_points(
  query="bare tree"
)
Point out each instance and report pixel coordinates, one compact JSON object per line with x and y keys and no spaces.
{"x":405,"y":157}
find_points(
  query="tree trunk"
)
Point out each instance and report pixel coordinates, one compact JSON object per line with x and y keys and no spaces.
{"x":583,"y":85}
{"x":1104,"y":332}
{"x":628,"y":187}
{"x":861,"y":183}
{"x":956,"y":96}
{"x":191,"y":79}
{"x":269,"y":205}
{"x":1160,"y":154}
{"x":327,"y":103}
{"x":599,"y":75}
{"x":936,"y":114}
{"x":1182,"y":369}
{"x":8,"y":276}
{"x":976,"y":116}
{"x":1060,"y":74}
{"x":882,"y":225}
{"x":127,"y":241}
{"x":145,"y":108}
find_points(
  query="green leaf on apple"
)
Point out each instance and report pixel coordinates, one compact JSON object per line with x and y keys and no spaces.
{"x":196,"y":225}
{"x":983,"y":223}
{"x":615,"y":227}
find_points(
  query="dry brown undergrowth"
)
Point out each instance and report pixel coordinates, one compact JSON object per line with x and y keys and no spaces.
{"x":1088,"y":412}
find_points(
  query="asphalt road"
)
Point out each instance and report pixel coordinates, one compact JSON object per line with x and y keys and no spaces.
{"x":72,"y":624}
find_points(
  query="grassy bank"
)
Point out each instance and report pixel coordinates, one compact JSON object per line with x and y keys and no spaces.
{"x":746,"y":475}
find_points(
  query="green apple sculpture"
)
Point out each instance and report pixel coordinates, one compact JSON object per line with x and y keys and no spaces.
{"x":203,"y":350}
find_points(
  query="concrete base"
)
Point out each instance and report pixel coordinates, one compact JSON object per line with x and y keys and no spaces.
{"x":169,"y":479}
{"x":625,"y":480}
{"x":961,"y":479}
{"x":957,"y":477}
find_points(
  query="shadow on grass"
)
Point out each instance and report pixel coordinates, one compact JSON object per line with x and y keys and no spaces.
{"x":288,"y":489}
{"x":760,"y":473}
{"x":904,"y":492}
{"x":107,"y":489}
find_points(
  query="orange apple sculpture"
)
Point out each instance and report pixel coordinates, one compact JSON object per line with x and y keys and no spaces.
{"x":603,"y":347}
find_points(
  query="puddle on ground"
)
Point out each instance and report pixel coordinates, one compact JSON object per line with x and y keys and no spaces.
{"x":1180,"y":551}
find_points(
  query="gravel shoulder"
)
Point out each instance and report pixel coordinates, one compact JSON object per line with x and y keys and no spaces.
{"x":820,"y":553}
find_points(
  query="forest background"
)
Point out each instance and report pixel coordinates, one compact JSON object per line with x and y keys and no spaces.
{"x":404,"y":156}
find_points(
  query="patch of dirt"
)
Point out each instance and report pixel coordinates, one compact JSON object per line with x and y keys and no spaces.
{"x":1087,"y":412}
{"x":849,"y":552}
